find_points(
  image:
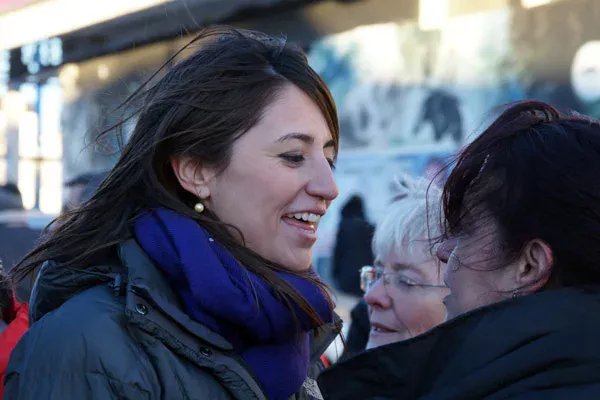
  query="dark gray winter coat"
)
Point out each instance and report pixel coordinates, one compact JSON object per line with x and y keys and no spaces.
{"x":119,"y":332}
{"x":542,"y":346}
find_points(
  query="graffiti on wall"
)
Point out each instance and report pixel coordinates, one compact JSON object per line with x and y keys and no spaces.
{"x":407,"y":99}
{"x":397,"y":86}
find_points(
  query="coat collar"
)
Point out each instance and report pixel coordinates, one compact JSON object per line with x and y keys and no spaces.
{"x":148,"y":289}
{"x":153,"y":306}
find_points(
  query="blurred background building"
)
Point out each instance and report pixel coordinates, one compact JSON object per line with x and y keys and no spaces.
{"x":413,"y":79}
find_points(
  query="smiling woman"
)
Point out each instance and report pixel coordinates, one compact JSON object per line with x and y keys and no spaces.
{"x":193,"y":258}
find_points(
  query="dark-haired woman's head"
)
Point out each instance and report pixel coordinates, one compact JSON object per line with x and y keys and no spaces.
{"x":522,"y":208}
{"x":243,"y":125}
{"x":278,"y":182}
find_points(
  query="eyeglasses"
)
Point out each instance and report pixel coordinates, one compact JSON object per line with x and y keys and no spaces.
{"x":369,"y":275}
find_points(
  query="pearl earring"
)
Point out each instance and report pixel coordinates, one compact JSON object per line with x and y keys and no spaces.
{"x":199,"y":207}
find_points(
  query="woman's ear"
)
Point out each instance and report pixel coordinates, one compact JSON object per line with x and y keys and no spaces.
{"x":192,"y":176}
{"x":535,"y":267}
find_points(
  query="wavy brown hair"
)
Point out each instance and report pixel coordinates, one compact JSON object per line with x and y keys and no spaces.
{"x":197,"y":109}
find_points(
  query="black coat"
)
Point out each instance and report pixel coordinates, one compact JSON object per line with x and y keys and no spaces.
{"x":119,"y":332}
{"x":542,"y":346}
{"x":358,"y":334}
{"x":352,"y":251}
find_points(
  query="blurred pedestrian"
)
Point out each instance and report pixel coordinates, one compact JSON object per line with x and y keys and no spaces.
{"x":10,"y":197}
{"x":404,"y":288}
{"x":188,"y":274}
{"x":522,"y":232}
{"x":14,"y":323}
{"x":18,"y":238}
{"x":352,"y":247}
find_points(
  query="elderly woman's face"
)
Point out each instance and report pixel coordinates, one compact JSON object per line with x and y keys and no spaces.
{"x":279,"y":182}
{"x":408,"y":300}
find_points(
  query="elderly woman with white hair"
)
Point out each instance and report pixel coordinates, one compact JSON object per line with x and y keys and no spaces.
{"x":404,"y":288}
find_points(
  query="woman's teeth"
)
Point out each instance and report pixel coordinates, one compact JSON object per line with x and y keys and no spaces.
{"x":306,"y":217}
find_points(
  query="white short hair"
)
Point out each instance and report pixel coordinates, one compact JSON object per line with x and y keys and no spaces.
{"x":412,"y":220}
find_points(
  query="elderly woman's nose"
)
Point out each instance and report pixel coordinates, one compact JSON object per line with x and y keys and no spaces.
{"x":377,"y":295}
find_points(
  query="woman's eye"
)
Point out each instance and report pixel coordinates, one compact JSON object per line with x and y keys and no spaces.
{"x":404,"y":281}
{"x":299,"y":159}
{"x":293,"y":158}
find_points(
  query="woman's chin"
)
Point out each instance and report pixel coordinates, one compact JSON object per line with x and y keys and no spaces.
{"x":302,"y":264}
{"x":294,"y":259}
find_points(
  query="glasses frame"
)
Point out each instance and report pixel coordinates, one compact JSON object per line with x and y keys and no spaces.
{"x":367,"y":272}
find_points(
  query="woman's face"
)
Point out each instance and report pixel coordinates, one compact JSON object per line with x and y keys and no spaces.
{"x":411,"y":302}
{"x":474,"y":270}
{"x":279,"y":182}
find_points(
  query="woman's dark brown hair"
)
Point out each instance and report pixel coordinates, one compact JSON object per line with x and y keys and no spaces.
{"x":536,"y":173}
{"x":199,"y":108}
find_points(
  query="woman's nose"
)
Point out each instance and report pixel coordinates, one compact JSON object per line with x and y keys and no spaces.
{"x":322,"y":184}
{"x":377,"y":295}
